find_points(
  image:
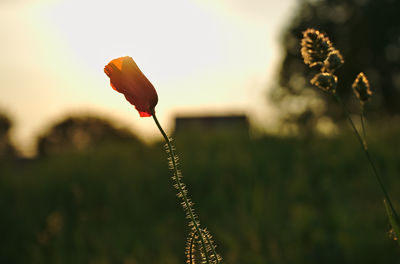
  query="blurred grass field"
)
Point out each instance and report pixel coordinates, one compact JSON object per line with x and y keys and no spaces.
{"x":266,"y":200}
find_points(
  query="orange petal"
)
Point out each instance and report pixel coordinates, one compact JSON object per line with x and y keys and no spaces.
{"x":118,"y":62}
{"x":144,"y":114}
{"x":112,"y":86}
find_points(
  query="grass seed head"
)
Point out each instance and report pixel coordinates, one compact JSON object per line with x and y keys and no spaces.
{"x":315,"y":47}
{"x":361,"y":88}
{"x":333,"y":61}
{"x":325,"y":81}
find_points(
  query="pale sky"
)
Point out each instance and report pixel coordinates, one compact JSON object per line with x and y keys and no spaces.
{"x":212,"y":56}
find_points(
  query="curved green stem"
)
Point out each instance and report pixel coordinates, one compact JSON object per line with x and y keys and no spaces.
{"x":365,"y":149}
{"x":180,"y":187}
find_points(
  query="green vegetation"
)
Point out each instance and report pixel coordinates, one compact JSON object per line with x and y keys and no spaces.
{"x":367,"y":34}
{"x":267,"y":200}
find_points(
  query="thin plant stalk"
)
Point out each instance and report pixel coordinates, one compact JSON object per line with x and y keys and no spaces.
{"x":364,"y":133}
{"x":317,"y":49}
{"x":181,"y":190}
{"x":211,"y":245}
{"x":368,"y":156}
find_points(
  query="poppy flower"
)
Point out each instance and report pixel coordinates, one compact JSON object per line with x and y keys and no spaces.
{"x":126,"y":78}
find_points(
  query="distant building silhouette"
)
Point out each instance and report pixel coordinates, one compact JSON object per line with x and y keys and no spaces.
{"x":230,"y":124}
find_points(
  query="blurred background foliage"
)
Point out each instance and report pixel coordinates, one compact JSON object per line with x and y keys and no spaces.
{"x":266,"y":200}
{"x":367,"y":33}
{"x":7,"y":149}
{"x":96,"y":194}
{"x":80,"y":132}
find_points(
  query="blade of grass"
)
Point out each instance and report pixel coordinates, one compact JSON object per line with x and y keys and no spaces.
{"x":393,"y":215}
{"x":393,"y":222}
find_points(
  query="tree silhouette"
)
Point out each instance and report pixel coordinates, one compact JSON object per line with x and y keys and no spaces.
{"x":7,"y":149}
{"x":367,"y":33}
{"x":80,"y":132}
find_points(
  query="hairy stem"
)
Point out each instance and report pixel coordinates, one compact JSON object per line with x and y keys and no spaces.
{"x":368,"y":156}
{"x":190,"y":251}
{"x":180,"y":187}
{"x":212,"y":248}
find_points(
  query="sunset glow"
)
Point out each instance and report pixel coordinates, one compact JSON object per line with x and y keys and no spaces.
{"x":200,"y":55}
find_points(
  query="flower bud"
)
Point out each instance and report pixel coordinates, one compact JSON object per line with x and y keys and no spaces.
{"x":127,"y":78}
